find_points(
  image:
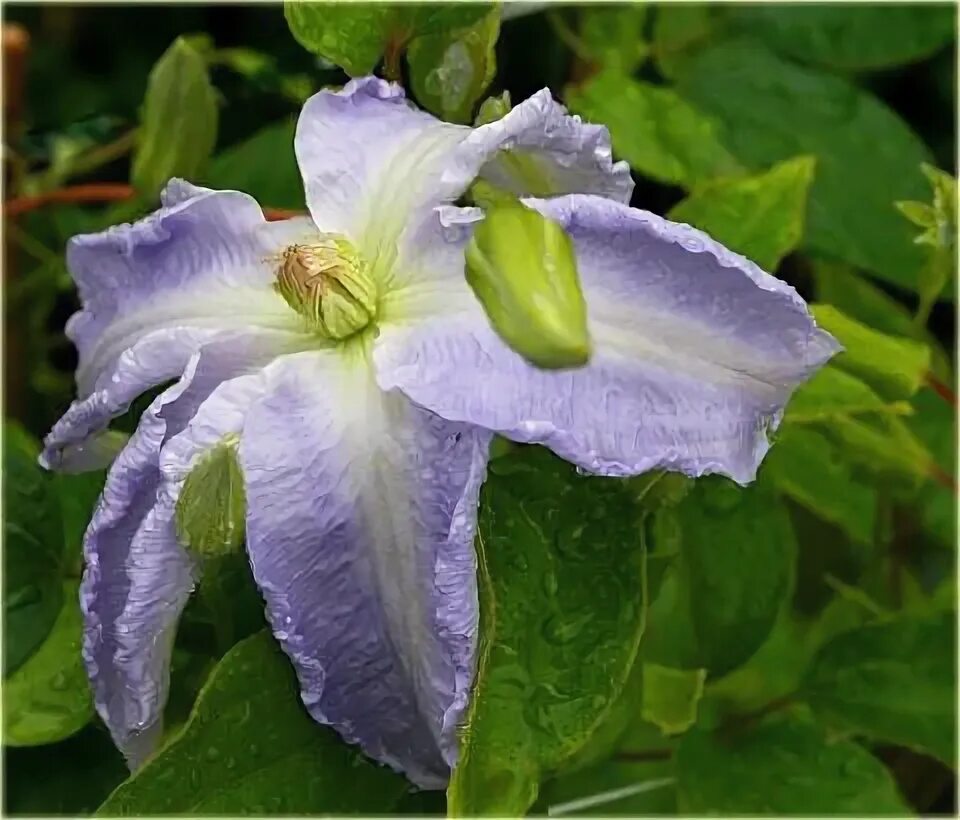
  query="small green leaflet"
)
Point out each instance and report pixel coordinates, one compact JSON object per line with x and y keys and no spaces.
{"x":939,"y":223}
{"x":761,"y":216}
{"x":838,"y":284}
{"x":896,"y":367}
{"x":671,"y":696}
{"x":833,"y":393}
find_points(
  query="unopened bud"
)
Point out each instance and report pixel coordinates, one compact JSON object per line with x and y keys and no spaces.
{"x":493,"y":109}
{"x":211,"y":508}
{"x":523,"y":269}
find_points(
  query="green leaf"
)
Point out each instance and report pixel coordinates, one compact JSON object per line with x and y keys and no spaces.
{"x":839,"y":285}
{"x":770,"y":675}
{"x":212,"y":506}
{"x":47,"y":699}
{"x":680,"y":29}
{"x":852,"y":36}
{"x":608,"y":732}
{"x":251,"y":748}
{"x":179,"y":120}
{"x":721,"y":596}
{"x":32,"y":549}
{"x":892,"y":681}
{"x":263,"y":166}
{"x":614,"y":35}
{"x":433,"y":18}
{"x":561,"y":582}
{"x":896,"y":367}
{"x":810,"y":469}
{"x":355,"y":34}
{"x":660,"y":134}
{"x":760,"y":216}
{"x":450,"y":71}
{"x":784,"y":766}
{"x":867,"y":157}
{"x":522,"y":268}
{"x":935,"y":425}
{"x":883,"y":445}
{"x":833,"y":393}
{"x":352,"y":35}
{"x":670,"y":696}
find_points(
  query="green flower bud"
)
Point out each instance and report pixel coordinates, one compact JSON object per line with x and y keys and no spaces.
{"x":329,"y":284}
{"x":212,"y":504}
{"x":493,"y":109}
{"x":523,"y":269}
{"x":486,"y":195}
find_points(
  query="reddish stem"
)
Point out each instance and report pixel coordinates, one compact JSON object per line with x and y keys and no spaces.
{"x":277,"y":214}
{"x":94,"y":192}
{"x":100,"y":192}
{"x":941,"y":389}
{"x":942,"y":477}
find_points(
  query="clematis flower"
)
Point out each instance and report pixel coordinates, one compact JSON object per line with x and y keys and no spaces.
{"x":350,"y":367}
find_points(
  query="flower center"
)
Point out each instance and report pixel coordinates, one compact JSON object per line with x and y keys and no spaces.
{"x":329,"y":284}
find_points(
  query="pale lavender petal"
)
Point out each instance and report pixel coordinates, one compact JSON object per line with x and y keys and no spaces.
{"x":137,"y":578}
{"x":374,"y":166}
{"x":153,"y":292}
{"x":156,"y":358}
{"x":360,"y":524}
{"x":696,"y":351}
{"x":135,"y":583}
{"x":366,"y":155}
{"x":570,"y":156}
{"x":205,"y":261}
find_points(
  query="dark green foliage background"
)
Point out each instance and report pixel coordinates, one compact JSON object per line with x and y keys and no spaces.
{"x":783,"y":648}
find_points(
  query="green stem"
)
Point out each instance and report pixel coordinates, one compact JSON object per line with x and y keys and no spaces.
{"x":567,"y":36}
{"x":92,"y":160}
